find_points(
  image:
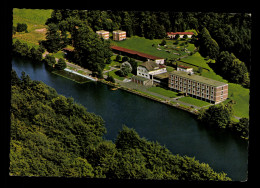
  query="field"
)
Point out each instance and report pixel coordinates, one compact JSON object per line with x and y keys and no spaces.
{"x":35,"y":20}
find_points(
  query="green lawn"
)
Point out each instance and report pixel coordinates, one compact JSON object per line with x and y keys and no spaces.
{"x":148,"y":94}
{"x":194,"y":101}
{"x":241,"y":96}
{"x":170,"y":69}
{"x":164,"y":92}
{"x":113,"y":74}
{"x":112,"y":64}
{"x":144,"y":45}
{"x":34,"y":18}
{"x":196,"y":59}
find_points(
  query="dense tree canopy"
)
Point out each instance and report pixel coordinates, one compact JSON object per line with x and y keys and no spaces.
{"x":207,"y":45}
{"x":218,"y":115}
{"x":232,"y":68}
{"x":90,"y":51}
{"x":51,"y":135}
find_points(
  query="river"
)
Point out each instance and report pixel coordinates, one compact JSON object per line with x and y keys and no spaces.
{"x":178,"y":130}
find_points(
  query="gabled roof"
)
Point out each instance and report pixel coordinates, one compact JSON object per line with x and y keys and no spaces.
{"x":184,"y":67}
{"x":150,"y":65}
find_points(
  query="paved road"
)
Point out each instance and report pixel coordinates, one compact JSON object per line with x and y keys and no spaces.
{"x":112,"y":68}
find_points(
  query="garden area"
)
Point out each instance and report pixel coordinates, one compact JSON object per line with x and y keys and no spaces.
{"x":173,"y":48}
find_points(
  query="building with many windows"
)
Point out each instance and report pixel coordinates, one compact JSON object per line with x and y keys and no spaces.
{"x":198,"y":86}
{"x":103,"y":34}
{"x":119,"y":35}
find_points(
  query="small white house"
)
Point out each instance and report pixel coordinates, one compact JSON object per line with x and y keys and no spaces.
{"x":159,"y":61}
{"x":181,"y":34}
{"x":185,"y":69}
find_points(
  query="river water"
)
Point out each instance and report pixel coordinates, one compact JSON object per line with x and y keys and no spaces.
{"x":178,"y":130}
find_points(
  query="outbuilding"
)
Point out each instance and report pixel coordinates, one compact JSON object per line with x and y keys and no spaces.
{"x":172,"y":35}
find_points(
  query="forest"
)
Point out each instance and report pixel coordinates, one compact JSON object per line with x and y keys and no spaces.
{"x":52,"y":135}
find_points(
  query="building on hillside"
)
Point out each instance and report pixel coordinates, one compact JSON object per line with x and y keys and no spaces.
{"x":103,"y":34}
{"x":185,"y":69}
{"x":137,"y":55}
{"x":198,"y":87}
{"x":172,"y":35}
{"x":149,"y":69}
{"x":119,"y":35}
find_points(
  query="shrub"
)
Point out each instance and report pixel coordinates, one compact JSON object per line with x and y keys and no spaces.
{"x":21,"y":27}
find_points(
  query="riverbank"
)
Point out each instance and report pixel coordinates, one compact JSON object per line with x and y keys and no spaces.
{"x":143,"y":91}
{"x":158,"y":99}
{"x":76,"y":69}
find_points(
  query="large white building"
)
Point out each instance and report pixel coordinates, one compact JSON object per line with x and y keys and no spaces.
{"x":198,"y":86}
{"x":149,"y":68}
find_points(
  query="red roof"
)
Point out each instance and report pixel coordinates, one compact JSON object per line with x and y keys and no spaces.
{"x":180,"y":33}
{"x":68,"y":49}
{"x":185,"y":67}
{"x":135,"y":52}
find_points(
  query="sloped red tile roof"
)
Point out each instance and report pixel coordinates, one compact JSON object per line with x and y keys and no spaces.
{"x":135,"y":52}
{"x":185,"y":67}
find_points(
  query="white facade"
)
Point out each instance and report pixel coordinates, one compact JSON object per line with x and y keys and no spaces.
{"x":181,"y":34}
{"x":159,"y":61}
{"x":158,"y":71}
{"x":188,"y":70}
{"x":142,"y":71}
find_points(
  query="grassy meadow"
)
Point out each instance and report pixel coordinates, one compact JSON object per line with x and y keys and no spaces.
{"x":144,"y":45}
{"x":35,"y":20}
